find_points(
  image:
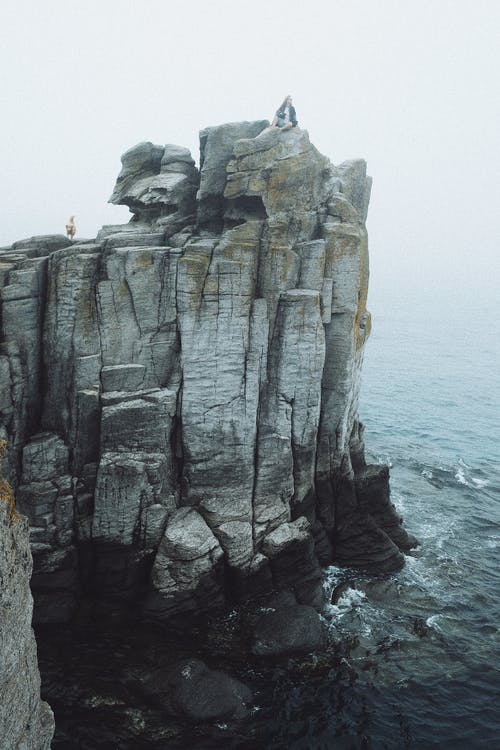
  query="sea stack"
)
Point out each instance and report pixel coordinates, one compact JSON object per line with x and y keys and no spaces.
{"x":180,"y":394}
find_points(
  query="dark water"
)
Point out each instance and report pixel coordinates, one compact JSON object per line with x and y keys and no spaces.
{"x":420,"y":662}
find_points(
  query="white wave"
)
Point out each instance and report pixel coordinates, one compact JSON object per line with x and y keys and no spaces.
{"x":351,"y":598}
{"x":473,"y":482}
{"x":479,"y":482}
{"x":366,"y":630}
{"x":398,"y":499}
{"x":349,"y":602}
{"x":433,"y":622}
{"x":384,"y":460}
{"x":422,"y":581}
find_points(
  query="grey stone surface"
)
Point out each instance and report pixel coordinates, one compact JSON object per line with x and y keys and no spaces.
{"x":22,"y":294}
{"x":25,"y":721}
{"x":158,"y":184}
{"x":123,"y":377}
{"x":45,"y":496}
{"x":181,"y":394}
{"x":41,"y":245}
{"x":186,"y":572}
{"x":216,"y":149}
{"x":127,"y":485}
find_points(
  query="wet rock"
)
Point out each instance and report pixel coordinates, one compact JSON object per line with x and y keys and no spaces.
{"x":340,"y":590}
{"x":373,"y":493}
{"x":368,"y":533}
{"x":288,"y":630}
{"x":362,"y":544}
{"x":194,"y":691}
{"x":294,"y":565}
{"x":419,"y":627}
{"x":204,"y":694}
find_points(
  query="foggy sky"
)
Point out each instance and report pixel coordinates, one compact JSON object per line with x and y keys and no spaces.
{"x":412,"y":87}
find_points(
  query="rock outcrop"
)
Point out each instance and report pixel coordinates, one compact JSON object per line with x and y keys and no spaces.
{"x":25,"y":721}
{"x":181,"y":393}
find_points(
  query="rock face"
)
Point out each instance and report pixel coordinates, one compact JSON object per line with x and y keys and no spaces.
{"x":180,"y":394}
{"x":25,"y":721}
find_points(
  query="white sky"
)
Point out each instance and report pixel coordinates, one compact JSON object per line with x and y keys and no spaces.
{"x":411,"y":86}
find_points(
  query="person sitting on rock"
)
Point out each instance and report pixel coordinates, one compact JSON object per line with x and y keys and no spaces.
{"x":285,"y":117}
{"x":71,"y":228}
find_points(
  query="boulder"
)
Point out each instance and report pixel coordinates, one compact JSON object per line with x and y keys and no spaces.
{"x":194,"y":691}
{"x":187,"y":571}
{"x":288,"y":630}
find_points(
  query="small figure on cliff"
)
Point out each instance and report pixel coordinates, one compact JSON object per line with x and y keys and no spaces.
{"x":71,"y":228}
{"x":285,"y":117}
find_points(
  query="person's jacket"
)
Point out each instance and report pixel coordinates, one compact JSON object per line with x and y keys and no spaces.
{"x":293,"y":117}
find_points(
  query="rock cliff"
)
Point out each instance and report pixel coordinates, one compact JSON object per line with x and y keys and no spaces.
{"x":25,"y":721}
{"x":180,"y":394}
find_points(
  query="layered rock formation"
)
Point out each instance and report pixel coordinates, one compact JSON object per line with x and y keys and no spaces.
{"x":25,"y":721}
{"x":180,"y":394}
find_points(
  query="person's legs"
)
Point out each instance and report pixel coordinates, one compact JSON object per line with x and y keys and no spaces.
{"x":279,"y":123}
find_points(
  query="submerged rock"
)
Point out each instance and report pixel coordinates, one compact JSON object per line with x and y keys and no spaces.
{"x":288,"y":630}
{"x":199,"y":693}
{"x":181,"y":393}
{"x":341,"y":589}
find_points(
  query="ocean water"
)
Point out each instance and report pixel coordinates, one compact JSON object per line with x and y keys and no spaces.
{"x":431,"y":408}
{"x":423,"y":667}
{"x":420,"y":662}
